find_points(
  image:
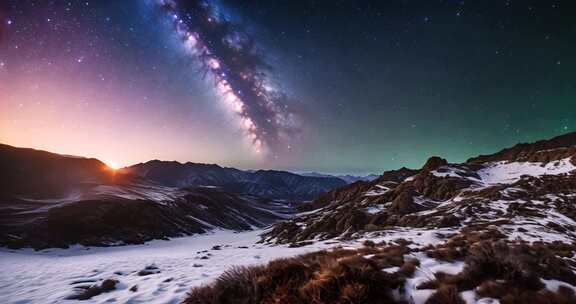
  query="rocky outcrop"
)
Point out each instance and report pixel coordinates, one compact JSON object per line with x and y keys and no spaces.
{"x":404,"y":203}
{"x":396,"y":176}
{"x":479,"y":193}
{"x":342,"y":194}
{"x":352,"y":191}
{"x":434,"y":163}
{"x":439,"y":188}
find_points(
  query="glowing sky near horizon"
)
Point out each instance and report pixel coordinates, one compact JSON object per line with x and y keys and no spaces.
{"x":375,"y":84}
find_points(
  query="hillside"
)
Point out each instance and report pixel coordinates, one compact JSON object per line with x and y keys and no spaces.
{"x":526,"y":191}
{"x":498,"y":228}
{"x":489,"y":230}
{"x":52,"y":200}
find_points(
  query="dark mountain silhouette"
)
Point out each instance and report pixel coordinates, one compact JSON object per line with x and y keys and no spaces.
{"x":264,"y":183}
{"x":49,"y":200}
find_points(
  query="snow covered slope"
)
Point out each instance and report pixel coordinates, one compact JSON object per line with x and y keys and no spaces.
{"x":535,"y":188}
{"x":51,"y":276}
{"x":498,"y":228}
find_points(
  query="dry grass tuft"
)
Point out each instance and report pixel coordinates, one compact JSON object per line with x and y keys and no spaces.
{"x":338,"y":276}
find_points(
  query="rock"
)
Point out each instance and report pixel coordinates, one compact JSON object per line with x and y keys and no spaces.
{"x":108,"y":285}
{"x":150,"y":269}
{"x":404,"y":203}
{"x":448,"y":221}
{"x":87,"y":292}
{"x":434,"y":163}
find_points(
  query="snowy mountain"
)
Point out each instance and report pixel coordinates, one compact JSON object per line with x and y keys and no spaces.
{"x":497,"y":228}
{"x":270,"y":184}
{"x":527,"y":191}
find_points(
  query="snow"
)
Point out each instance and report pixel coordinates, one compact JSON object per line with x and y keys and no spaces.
{"x":553,"y":285}
{"x":380,"y":189}
{"x":488,"y":301}
{"x":469,"y":296}
{"x":47,"y":276}
{"x":507,"y":173}
{"x":434,"y":266}
{"x":448,"y":171}
{"x":410,"y":178}
{"x":391,"y":269}
{"x":50,"y":276}
{"x":418,"y":296}
{"x":419,"y":236}
{"x":375,"y":209}
{"x":136,"y":191}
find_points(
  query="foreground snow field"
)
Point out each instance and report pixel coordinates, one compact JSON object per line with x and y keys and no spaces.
{"x":49,"y":276}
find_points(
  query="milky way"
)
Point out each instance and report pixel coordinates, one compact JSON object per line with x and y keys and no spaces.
{"x":228,"y":57}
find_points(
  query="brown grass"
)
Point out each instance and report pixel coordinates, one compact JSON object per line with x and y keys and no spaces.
{"x":446,"y":294}
{"x":504,"y":270}
{"x":509,"y":271}
{"x":338,"y":276}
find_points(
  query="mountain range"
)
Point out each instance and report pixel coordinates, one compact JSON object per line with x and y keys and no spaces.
{"x":280,"y":185}
{"x":348,"y":178}
{"x":498,"y":228}
{"x":52,"y":200}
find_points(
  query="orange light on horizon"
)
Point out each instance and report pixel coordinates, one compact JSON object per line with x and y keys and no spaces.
{"x":113,"y":165}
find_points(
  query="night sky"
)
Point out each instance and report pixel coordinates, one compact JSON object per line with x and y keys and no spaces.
{"x":331,"y":86}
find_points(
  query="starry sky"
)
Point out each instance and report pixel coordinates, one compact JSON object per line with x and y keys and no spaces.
{"x":330,"y":86}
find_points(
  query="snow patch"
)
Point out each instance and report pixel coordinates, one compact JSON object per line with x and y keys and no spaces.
{"x":507,"y":173}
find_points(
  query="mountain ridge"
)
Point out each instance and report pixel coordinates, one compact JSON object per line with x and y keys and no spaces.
{"x":54,"y":200}
{"x":274,"y":184}
{"x":433,"y":195}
